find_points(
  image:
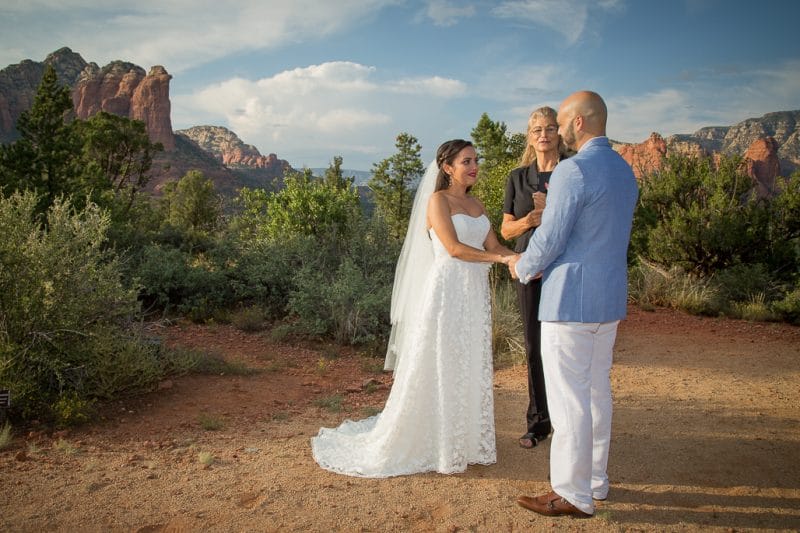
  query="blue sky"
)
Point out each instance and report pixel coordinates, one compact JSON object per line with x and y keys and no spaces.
{"x":312,"y":79}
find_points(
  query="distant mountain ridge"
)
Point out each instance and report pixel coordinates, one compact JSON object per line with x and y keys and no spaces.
{"x":770,"y":144}
{"x":360,"y":177}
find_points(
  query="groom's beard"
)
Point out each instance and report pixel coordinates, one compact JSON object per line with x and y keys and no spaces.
{"x":568,"y":137}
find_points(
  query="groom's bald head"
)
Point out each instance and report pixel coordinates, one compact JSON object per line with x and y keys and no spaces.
{"x":581,"y":116}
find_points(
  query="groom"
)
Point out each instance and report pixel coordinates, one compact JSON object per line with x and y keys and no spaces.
{"x":581,"y":251}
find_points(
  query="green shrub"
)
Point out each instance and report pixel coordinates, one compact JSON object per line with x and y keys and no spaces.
{"x":700,"y":216}
{"x":210,"y":422}
{"x":248,"y":319}
{"x":264,"y":271}
{"x":743,"y":282}
{"x":649,"y":286}
{"x":174,"y":280}
{"x":331,"y":403}
{"x":735,"y":250}
{"x":121,"y":363}
{"x":71,"y":410}
{"x":789,"y":307}
{"x":62,"y":300}
{"x":346,"y":295}
{"x":756,"y":309}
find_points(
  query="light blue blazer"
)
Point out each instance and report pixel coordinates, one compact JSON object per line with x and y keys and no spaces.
{"x":581,"y":245}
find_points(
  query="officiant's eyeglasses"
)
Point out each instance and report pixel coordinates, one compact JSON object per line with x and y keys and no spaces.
{"x":549,"y":130}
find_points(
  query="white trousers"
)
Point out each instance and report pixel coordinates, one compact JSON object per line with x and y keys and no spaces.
{"x":577,"y":364}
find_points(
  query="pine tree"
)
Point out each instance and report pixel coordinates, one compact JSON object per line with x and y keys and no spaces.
{"x":46,"y":157}
{"x":393,"y":183}
{"x":334,"y":177}
{"x":491,"y":141}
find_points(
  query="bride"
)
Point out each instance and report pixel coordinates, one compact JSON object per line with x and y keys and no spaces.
{"x":439,"y":415}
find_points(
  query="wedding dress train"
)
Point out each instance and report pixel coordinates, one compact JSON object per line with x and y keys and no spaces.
{"x":439,"y":415}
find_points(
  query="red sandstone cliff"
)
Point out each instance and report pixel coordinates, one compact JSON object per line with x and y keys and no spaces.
{"x":125,"y":90}
{"x":763,"y":164}
{"x":761,"y":158}
{"x":646,"y":157}
{"x":228,"y":148}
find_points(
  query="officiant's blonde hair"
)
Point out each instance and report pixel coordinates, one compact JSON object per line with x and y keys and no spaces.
{"x":529,"y":155}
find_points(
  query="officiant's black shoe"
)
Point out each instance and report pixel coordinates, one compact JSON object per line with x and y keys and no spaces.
{"x":531,"y":440}
{"x":551,"y":504}
{"x":528,"y":440}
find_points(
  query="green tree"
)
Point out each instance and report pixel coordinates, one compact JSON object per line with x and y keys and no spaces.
{"x":334,"y":177}
{"x":392,"y":181}
{"x":310,"y":206}
{"x":500,"y":154}
{"x":784,"y":227}
{"x":46,"y":158}
{"x":491,"y":141}
{"x":117,"y":155}
{"x":701,"y":216}
{"x":306,"y":206}
{"x":192,"y":204}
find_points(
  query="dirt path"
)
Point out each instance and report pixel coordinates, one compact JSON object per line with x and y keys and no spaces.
{"x":706,"y":435}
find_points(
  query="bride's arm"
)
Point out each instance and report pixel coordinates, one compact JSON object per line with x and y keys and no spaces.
{"x":442,"y":224}
{"x":492,"y":244}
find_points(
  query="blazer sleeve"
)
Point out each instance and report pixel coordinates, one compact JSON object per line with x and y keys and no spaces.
{"x":565,"y":200}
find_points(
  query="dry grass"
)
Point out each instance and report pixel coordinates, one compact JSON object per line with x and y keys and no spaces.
{"x":5,"y":436}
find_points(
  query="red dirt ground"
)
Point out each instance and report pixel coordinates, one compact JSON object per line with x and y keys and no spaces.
{"x":706,"y":436}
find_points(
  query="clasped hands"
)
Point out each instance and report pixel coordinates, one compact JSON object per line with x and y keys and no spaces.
{"x":534,"y":219}
{"x":511,"y":261}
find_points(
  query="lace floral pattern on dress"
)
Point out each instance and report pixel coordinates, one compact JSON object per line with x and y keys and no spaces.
{"x":439,"y":415}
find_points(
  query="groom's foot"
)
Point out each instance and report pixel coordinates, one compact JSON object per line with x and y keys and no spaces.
{"x":551,"y":504}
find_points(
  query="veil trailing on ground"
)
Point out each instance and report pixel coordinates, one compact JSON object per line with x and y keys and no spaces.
{"x":416,"y":258}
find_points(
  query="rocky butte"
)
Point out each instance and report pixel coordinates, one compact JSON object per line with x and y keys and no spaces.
{"x":126,"y":90}
{"x":770,"y":146}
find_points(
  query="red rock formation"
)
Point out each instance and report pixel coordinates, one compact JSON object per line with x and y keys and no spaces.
{"x":240,"y":157}
{"x":228,"y":148}
{"x":645,"y":157}
{"x":19,"y":83}
{"x":123,"y":89}
{"x":763,"y":164}
{"x":151,"y":105}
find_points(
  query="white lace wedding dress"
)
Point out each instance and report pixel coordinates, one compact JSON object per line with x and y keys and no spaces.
{"x":440,"y":412}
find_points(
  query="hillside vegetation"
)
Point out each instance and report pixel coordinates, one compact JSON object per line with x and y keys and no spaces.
{"x":90,"y":259}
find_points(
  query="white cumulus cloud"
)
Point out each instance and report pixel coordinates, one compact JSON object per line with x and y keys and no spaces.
{"x":328,"y":108}
{"x":177,"y":34}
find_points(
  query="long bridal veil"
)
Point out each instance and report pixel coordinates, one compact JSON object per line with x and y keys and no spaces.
{"x":416,"y":258}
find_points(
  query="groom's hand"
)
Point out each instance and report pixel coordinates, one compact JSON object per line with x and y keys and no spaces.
{"x":512,"y":265}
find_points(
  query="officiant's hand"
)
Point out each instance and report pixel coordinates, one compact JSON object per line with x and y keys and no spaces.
{"x":535,"y":216}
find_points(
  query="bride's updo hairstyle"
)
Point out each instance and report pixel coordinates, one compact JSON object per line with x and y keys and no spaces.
{"x":447,"y":153}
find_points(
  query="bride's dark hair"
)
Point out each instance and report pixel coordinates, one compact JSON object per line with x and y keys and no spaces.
{"x":447,"y":153}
